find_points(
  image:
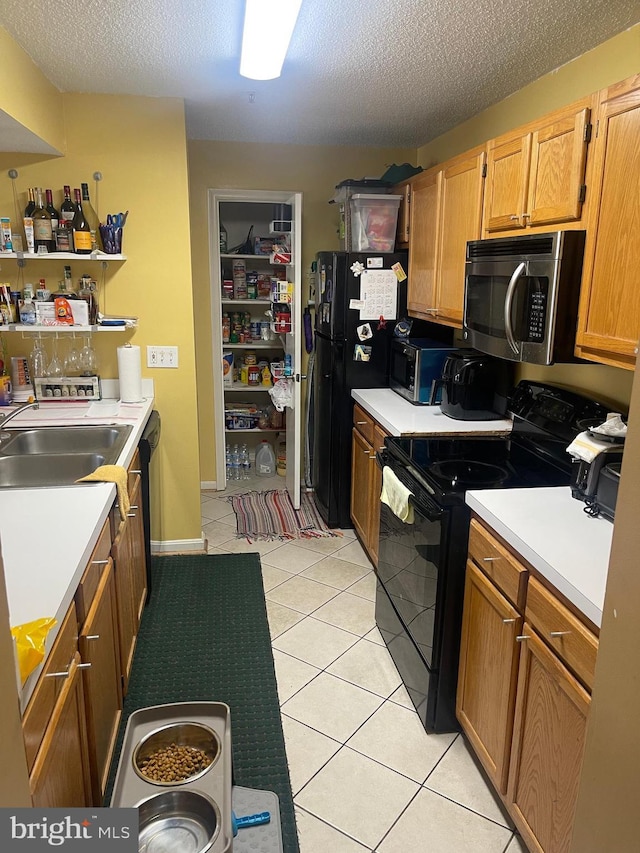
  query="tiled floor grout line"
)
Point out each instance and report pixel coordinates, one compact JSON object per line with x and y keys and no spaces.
{"x":341,"y":831}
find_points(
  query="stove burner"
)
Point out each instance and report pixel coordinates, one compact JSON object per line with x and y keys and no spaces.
{"x":466,"y":473}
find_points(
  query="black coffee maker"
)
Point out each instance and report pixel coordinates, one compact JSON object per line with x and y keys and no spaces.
{"x":475,"y":386}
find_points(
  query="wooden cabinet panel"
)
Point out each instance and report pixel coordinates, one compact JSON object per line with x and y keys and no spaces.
{"x":423,"y":244}
{"x":404,"y":213}
{"x":363,"y":422}
{"x":98,"y":643}
{"x":487,"y":674}
{"x":500,"y":565}
{"x":507,"y":183}
{"x":609,"y":316}
{"x":60,"y":776}
{"x":91,"y":578}
{"x":360,"y":485}
{"x":549,"y":733}
{"x":379,"y":436}
{"x":138,"y":557}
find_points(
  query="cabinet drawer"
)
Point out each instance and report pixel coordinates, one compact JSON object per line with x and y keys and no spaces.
{"x":498,"y":564}
{"x":363,"y":422}
{"x":91,"y":578}
{"x":49,"y":686}
{"x":570,"y":639}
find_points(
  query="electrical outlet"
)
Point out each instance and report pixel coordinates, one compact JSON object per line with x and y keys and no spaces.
{"x":162,"y":356}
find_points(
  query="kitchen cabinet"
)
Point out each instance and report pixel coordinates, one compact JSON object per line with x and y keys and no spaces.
{"x":526,"y":670}
{"x":609,"y":313}
{"x":446,"y":212}
{"x":404,"y":190}
{"x":366,"y":479}
{"x":535,"y":174}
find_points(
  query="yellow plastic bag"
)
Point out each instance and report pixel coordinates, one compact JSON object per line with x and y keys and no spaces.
{"x":30,"y":639}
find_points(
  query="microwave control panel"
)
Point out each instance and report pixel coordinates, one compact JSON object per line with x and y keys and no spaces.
{"x":536,"y":315}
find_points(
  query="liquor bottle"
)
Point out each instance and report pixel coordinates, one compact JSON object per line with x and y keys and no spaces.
{"x":55,"y":216}
{"x":67,"y":208}
{"x":92,"y":219}
{"x":43,"y":241}
{"x":81,"y":229}
{"x":31,"y":203}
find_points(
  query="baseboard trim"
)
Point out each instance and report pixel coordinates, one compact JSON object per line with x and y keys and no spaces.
{"x":208,"y":486}
{"x":177,"y":546}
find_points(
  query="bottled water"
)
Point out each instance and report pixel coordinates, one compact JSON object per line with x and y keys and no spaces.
{"x":229,"y":464}
{"x":235,"y":462}
{"x":245,"y":462}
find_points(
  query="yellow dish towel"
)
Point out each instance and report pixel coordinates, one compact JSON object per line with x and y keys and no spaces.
{"x":112,"y":474}
{"x":396,"y":496}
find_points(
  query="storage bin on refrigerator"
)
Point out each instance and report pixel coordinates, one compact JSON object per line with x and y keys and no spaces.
{"x":374,"y":219}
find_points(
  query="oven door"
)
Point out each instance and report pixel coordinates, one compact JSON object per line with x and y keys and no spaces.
{"x":419,"y":606}
{"x":510,"y":308}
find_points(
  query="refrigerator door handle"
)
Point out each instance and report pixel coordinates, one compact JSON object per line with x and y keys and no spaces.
{"x":300,"y":376}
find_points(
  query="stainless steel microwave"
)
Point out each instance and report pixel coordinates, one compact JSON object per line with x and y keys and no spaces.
{"x":521,"y":296}
{"x":415,"y":364}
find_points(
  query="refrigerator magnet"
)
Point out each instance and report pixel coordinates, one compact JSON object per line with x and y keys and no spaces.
{"x":399,"y":271}
{"x":361,"y":352}
{"x":375,"y":263}
{"x":364,"y":332}
{"x":357,"y":268}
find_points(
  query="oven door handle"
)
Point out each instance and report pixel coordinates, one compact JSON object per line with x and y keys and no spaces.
{"x":427,"y":510}
{"x":508,"y":304}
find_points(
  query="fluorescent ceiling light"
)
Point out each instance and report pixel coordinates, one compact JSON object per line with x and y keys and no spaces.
{"x":268,"y":27}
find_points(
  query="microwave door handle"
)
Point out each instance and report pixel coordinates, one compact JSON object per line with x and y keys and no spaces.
{"x":508,"y":302}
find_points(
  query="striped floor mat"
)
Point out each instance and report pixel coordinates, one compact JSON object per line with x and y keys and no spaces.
{"x":270,"y":515}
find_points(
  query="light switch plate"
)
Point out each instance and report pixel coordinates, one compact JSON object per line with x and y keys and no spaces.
{"x":162,"y":356}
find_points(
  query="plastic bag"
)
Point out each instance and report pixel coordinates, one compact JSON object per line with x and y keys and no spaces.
{"x":282,"y":393}
{"x":30,"y":638}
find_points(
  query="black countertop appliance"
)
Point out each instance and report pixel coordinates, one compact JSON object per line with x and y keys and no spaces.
{"x":474,"y":386}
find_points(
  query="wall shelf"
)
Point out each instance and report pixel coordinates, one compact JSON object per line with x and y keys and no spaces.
{"x":61,"y":256}
{"x":78,"y":330}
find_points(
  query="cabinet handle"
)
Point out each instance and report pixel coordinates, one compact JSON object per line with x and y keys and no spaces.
{"x":91,"y":637}
{"x":525,"y":215}
{"x":134,"y":506}
{"x":514,"y":216}
{"x":136,"y":471}
{"x":559,"y":633}
{"x":522,"y":637}
{"x":508,"y":621}
{"x":84,"y":666}
{"x":63,"y":674}
{"x":361,"y":423}
{"x":490,"y":559}
{"x":99,"y":562}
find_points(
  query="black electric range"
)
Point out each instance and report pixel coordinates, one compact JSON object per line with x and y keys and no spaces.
{"x":421,"y":566}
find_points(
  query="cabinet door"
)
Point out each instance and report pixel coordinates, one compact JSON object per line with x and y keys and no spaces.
{"x":609,"y":316}
{"x":138,"y":557}
{"x":548,"y":743}
{"x":423,"y":244}
{"x":61,"y":777}
{"x":460,"y":221}
{"x":488,"y":673}
{"x":379,"y":436}
{"x":98,"y":642}
{"x":361,"y":453}
{"x":558,"y":158}
{"x":404,"y":213}
{"x":508,"y":163}
{"x":125,"y":598}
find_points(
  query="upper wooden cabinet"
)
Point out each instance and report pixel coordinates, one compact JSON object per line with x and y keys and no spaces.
{"x":446,"y":212}
{"x":404,"y":212}
{"x":535,"y":175}
{"x":609,"y":313}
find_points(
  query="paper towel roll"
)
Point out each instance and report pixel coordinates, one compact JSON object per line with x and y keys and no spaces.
{"x":129,"y":374}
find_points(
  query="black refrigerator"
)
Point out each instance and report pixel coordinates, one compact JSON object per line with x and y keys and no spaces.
{"x":351,"y":351}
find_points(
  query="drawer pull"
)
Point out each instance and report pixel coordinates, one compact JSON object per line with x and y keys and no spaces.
{"x":490,"y":559}
{"x":92,"y":637}
{"x":131,"y":515}
{"x":508,"y":621}
{"x":134,"y":506}
{"x":361,"y":423}
{"x":99,"y":562}
{"x":136,"y":471}
{"x":514,"y":216}
{"x":559,"y":633}
{"x":84,"y":666}
{"x":522,"y":637}
{"x":63,"y":674}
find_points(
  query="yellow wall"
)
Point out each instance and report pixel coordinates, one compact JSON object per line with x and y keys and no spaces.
{"x":312,"y":170}
{"x":139,"y":146}
{"x":28,"y":97}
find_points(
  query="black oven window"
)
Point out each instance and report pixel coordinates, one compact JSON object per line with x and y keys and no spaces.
{"x":486,"y":295}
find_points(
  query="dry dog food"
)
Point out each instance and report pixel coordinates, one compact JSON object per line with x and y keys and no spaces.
{"x":174,"y":763}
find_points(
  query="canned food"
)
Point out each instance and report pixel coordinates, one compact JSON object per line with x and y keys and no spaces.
{"x":250,"y":358}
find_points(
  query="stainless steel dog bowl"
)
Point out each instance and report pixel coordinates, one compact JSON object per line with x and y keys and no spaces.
{"x":189,"y":734}
{"x":183,"y":821}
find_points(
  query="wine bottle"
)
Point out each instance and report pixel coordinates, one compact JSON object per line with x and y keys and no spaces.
{"x":31,"y":203}
{"x":55,"y":216}
{"x":42,"y":230}
{"x":92,"y":218}
{"x":67,"y":208}
{"x":81,"y":229}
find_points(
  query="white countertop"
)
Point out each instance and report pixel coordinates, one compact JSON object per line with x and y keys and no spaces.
{"x":551,"y":531}
{"x":400,"y":417}
{"x":47,"y":535}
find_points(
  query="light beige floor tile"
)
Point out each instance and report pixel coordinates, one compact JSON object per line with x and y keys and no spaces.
{"x":230,"y":520}
{"x":302,"y":594}
{"x":281,"y":619}
{"x":292,"y":558}
{"x":354,"y":553}
{"x":307,"y":751}
{"x":217,"y":534}
{"x":315,"y":836}
{"x":365,"y":587}
{"x":435,"y":824}
{"x":336,"y":573}
{"x":401,"y":697}
{"x":324,"y":544}
{"x":370,"y":666}
{"x":291,"y":674}
{"x":333,"y":707}
{"x":213,"y":550}
{"x":516,"y":846}
{"x":459,"y":778}
{"x":374,"y":636}
{"x":272,"y":577}
{"x":349,"y":534}
{"x":313,"y":641}
{"x":241,"y":546}
{"x":214,"y":509}
{"x":358,"y":796}
{"x":349,"y":612}
{"x":395,"y":737}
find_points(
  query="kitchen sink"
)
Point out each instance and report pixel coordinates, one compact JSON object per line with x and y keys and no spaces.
{"x":47,"y":469}
{"x":57,"y":456}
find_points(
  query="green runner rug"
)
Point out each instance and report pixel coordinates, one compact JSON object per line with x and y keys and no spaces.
{"x":204,"y":636}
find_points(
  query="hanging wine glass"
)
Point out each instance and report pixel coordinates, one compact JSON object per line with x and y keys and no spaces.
{"x":55,"y":367}
{"x":72,"y":361}
{"x":39,"y":359}
{"x":88,"y":359}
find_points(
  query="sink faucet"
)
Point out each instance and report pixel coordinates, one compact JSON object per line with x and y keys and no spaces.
{"x":33,"y":404}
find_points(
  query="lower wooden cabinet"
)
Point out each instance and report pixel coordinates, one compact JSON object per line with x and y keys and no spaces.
{"x":526,"y":666}
{"x":366,"y":480}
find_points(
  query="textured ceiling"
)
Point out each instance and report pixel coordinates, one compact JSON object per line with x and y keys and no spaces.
{"x":380,"y":72}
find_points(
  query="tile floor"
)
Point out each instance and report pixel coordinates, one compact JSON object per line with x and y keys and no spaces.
{"x":365,"y":775}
